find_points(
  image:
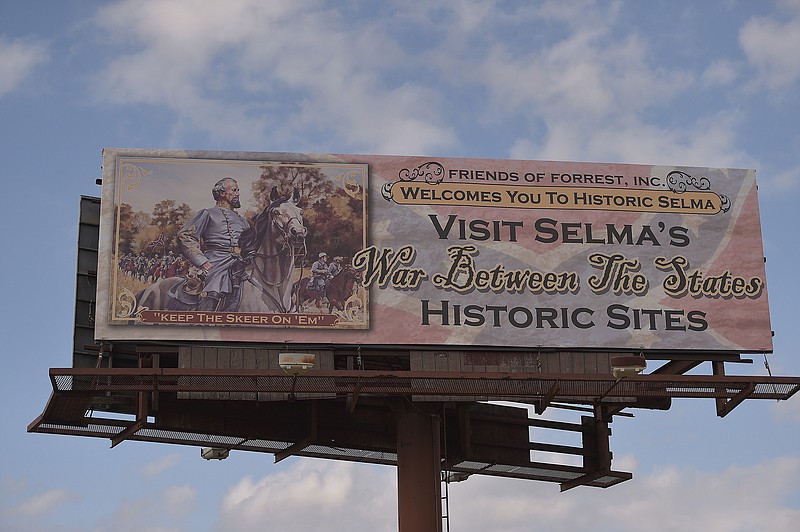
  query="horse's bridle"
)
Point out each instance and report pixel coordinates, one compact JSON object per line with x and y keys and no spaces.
{"x":350,"y":273}
{"x":296,"y":249}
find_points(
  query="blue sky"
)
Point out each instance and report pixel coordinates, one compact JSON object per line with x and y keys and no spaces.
{"x":676,"y":83}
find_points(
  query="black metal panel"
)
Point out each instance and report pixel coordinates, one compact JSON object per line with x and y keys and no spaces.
{"x":84,"y":353}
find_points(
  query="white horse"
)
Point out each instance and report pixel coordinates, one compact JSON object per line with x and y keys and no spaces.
{"x":277,"y":238}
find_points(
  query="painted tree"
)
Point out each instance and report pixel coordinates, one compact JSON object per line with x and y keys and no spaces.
{"x":312,"y":184}
{"x":130,"y":223}
{"x":333,"y":210}
{"x":335,"y":225}
{"x":169,"y":217}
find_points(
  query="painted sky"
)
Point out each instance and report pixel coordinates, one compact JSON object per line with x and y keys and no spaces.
{"x":713,"y":84}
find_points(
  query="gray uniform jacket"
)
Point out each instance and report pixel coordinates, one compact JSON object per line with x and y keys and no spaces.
{"x":219,"y":230}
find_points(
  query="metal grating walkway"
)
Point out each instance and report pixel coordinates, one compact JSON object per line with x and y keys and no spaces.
{"x":486,"y":386}
{"x":77,"y":390}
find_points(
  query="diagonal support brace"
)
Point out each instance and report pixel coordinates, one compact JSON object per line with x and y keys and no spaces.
{"x":140,"y":423}
{"x":724,"y":407}
{"x":548,"y":398}
{"x":309,"y":439}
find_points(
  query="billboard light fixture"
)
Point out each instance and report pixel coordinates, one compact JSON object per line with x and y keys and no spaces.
{"x":627,"y":366}
{"x":296,"y":363}
{"x":214,"y":453}
{"x":456,"y":476}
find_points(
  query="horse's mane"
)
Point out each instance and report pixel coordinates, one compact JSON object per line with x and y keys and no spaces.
{"x":250,"y":239}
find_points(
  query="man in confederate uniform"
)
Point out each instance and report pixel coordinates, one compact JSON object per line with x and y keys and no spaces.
{"x":335,"y":267}
{"x":210,"y":241}
{"x":320,"y":273}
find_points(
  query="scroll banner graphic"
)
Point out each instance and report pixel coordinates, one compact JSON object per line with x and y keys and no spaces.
{"x":554,"y":198}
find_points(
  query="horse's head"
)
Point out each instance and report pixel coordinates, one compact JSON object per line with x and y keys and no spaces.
{"x":287,"y":218}
{"x":278,"y":228}
{"x":351,"y":274}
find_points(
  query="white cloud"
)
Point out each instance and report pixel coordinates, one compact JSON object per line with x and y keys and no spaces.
{"x":308,"y":75}
{"x":674,"y":498}
{"x":595,"y":91}
{"x":155,"y":468}
{"x":179,"y":498}
{"x":787,"y":411}
{"x":179,"y":63}
{"x":44,"y":502}
{"x":318,"y":495}
{"x":291,"y":66}
{"x":591,"y":72}
{"x":790,"y":4}
{"x":771,"y":47}
{"x":314,"y":495}
{"x":18,"y":59}
{"x":720,"y":73}
{"x":157,"y":511}
{"x":709,"y":141}
{"x":780,"y":183}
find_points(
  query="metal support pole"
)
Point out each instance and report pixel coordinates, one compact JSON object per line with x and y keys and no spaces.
{"x":419,"y":468}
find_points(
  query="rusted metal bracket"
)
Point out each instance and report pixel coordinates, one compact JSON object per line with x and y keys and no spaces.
{"x":596,"y":451}
{"x":352,"y":399}
{"x":582,"y":481}
{"x":724,"y":407}
{"x":548,"y":398}
{"x":140,"y":423}
{"x":609,"y":389}
{"x":676,"y":367}
{"x":130,"y":431}
{"x":310,"y":438}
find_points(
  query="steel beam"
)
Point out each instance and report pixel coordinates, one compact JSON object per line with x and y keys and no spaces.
{"x":419,"y":493}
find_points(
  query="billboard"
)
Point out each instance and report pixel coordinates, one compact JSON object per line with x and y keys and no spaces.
{"x":395,"y":250}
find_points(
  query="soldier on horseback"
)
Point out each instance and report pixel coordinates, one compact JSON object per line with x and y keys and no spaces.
{"x":335,"y":267}
{"x":320,"y":273}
